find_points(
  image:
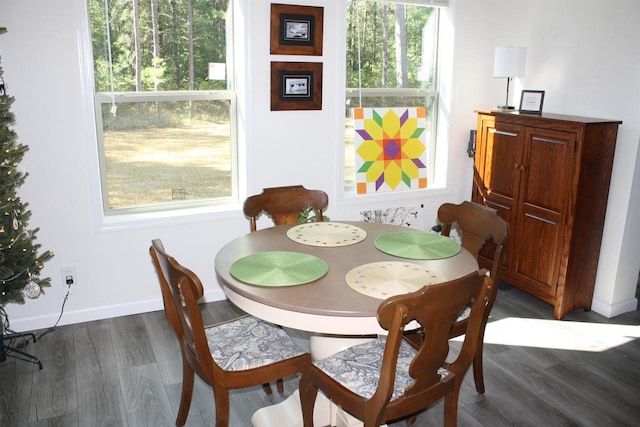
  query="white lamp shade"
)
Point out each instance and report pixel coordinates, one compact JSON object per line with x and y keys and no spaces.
{"x":509,"y":61}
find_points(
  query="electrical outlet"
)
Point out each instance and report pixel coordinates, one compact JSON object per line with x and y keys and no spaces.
{"x":68,"y":274}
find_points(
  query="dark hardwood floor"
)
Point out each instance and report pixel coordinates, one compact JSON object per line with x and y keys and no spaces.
{"x":582,"y":371}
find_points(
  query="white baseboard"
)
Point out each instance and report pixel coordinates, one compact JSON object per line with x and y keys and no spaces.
{"x":99,"y":313}
{"x":613,"y":310}
{"x":107,"y":312}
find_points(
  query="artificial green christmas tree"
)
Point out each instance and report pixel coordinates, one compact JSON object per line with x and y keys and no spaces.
{"x":20,"y":262}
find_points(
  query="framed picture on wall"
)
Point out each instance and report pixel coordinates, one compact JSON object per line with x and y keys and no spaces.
{"x":296,"y":30}
{"x":531,"y":101}
{"x":296,"y":86}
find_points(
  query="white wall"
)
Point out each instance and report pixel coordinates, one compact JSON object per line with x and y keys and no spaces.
{"x":581,"y":53}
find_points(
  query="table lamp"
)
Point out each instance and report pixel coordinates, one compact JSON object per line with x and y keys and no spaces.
{"x":509,"y":62}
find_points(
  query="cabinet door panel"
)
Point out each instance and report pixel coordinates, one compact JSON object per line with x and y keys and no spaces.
{"x":548,"y":169}
{"x":504,"y":152}
{"x":542,"y":207}
{"x":537,"y":254}
{"x":499,"y":150}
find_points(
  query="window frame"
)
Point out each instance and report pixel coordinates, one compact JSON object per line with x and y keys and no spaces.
{"x":180,"y":213}
{"x":436,"y":147}
{"x":102,"y":98}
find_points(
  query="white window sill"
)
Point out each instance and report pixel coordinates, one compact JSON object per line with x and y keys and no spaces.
{"x":163,"y":218}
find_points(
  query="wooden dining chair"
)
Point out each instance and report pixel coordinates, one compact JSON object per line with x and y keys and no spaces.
{"x":283,"y":204}
{"x":389,"y":378}
{"x":239,"y":353}
{"x":480,"y":226}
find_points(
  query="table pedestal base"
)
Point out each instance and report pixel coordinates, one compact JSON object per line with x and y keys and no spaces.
{"x":325,"y":413}
{"x":323,"y":346}
{"x":288,"y":414}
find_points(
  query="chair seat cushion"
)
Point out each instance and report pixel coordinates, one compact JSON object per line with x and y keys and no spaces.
{"x":248,"y":343}
{"x":358,"y":368}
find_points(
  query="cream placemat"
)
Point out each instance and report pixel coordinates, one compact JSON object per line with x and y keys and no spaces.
{"x":329,"y":234}
{"x":385,"y":279}
{"x":417,"y":245}
{"x":278,"y":268}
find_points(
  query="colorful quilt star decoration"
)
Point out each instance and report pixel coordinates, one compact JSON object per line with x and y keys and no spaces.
{"x":391,"y":152}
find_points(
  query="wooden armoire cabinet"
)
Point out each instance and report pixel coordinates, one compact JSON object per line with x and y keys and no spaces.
{"x":547,"y":175}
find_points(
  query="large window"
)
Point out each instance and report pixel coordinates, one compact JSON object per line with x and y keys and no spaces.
{"x":390,"y":62}
{"x":165,"y":108}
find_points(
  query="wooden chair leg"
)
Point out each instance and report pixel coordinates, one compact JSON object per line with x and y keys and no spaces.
{"x":222,"y":407}
{"x":451,"y":406}
{"x":478,"y":375}
{"x":187,"y":393}
{"x":308,"y":393}
{"x":450,"y":412}
{"x":267,"y":388}
{"x":280,"y":384}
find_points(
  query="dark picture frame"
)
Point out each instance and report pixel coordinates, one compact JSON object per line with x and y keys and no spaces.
{"x":296,"y":86}
{"x":531,"y":101}
{"x":296,"y":30}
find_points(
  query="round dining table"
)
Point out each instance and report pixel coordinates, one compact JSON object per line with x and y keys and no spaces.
{"x":335,"y":312}
{"x":327,"y":306}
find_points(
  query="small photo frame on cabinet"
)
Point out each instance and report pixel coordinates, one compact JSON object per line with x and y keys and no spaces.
{"x":296,"y":86}
{"x":531,"y":101}
{"x":296,"y":30}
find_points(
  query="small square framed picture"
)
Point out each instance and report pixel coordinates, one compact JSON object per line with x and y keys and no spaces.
{"x":296,"y":30}
{"x":531,"y":101}
{"x":296,"y":86}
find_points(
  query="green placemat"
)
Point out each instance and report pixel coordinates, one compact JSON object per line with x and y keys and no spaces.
{"x":278,"y":268}
{"x":417,"y":245}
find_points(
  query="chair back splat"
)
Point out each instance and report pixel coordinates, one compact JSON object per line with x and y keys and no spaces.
{"x":410,"y":377}
{"x":283,"y":204}
{"x":479,"y":226}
